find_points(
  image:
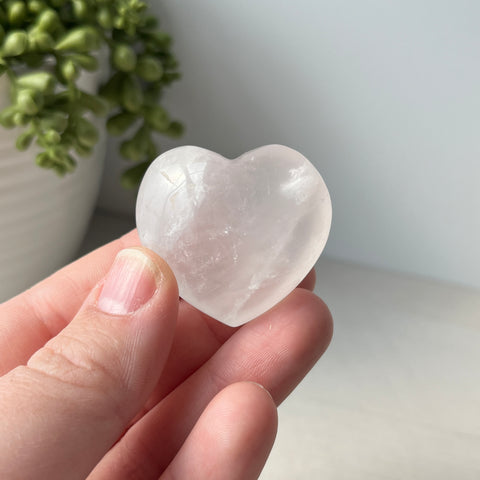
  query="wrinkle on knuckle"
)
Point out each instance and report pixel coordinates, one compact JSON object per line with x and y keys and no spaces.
{"x":82,"y":373}
{"x":72,"y":359}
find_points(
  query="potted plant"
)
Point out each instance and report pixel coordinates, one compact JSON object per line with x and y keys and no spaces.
{"x":69,"y":68}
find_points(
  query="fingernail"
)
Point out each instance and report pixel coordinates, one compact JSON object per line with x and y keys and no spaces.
{"x":129,"y":284}
{"x":261,"y":386}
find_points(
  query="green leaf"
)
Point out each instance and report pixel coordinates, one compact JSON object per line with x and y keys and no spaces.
{"x":94,"y":103}
{"x":132,"y":177}
{"x":130,"y":150}
{"x":105,"y":18}
{"x":80,"y":40}
{"x":29,"y":101}
{"x":159,"y":39}
{"x":82,"y":150}
{"x":36,"y":6}
{"x":42,"y":81}
{"x":131,"y":94}
{"x":157,"y":118}
{"x":43,"y":160}
{"x":149,"y":68}
{"x":120,"y":123}
{"x":17,"y":11}
{"x":86,"y":132}
{"x":24,"y":140}
{"x":52,"y":137}
{"x":87,"y":62}
{"x":124,"y":58}
{"x":80,"y":9}
{"x":48,"y":21}
{"x":15,"y":43}
{"x":6,"y":117}
{"x":40,"y":41}
{"x":70,"y":163}
{"x":55,"y":120}
{"x":175,"y":130}
{"x":69,"y":70}
{"x":20,"y":119}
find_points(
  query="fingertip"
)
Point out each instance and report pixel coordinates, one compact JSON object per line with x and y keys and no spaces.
{"x":136,"y":278}
{"x":247,"y":423}
{"x":252,"y":405}
{"x":232,"y":438}
{"x":315,"y":319}
{"x":296,"y":332}
{"x":233,"y":406}
{"x":260,"y":396}
{"x":320,"y":314}
{"x":309,"y":281}
{"x":248,"y":395}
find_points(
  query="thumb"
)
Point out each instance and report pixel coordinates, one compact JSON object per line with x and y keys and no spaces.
{"x":68,"y":406}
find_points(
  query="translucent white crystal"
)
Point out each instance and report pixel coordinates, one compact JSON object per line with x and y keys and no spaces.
{"x":238,"y":234}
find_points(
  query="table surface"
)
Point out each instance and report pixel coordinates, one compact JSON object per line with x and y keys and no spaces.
{"x":397,"y":394}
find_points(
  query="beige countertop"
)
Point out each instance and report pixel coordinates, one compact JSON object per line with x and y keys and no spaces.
{"x":396,"y":396}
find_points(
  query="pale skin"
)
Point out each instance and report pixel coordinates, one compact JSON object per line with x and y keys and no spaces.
{"x":159,"y":391}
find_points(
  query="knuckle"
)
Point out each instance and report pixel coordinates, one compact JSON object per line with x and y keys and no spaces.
{"x":85,"y":369}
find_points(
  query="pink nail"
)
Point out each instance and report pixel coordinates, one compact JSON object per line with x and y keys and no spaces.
{"x":129,"y":284}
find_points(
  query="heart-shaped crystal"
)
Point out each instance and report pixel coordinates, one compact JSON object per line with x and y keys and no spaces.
{"x":238,"y":234}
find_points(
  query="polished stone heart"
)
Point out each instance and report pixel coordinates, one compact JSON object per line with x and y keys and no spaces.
{"x":238,"y":234}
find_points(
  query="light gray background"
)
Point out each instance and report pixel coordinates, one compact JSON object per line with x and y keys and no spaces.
{"x":383,"y":96}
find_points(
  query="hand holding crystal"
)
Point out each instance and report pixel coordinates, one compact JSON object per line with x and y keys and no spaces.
{"x":106,"y":374}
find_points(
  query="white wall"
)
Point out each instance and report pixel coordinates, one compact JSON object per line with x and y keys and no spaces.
{"x":383,"y":96}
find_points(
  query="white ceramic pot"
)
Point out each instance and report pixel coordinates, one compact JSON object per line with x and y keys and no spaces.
{"x":43,"y":218}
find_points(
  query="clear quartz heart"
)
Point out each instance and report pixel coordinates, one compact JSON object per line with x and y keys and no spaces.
{"x":239,"y":234}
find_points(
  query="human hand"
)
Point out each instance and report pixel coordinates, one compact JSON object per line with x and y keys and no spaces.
{"x":143,"y":385}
